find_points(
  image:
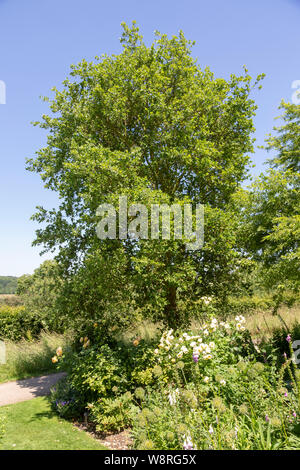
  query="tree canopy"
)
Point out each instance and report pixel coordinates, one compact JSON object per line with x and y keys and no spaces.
{"x":270,"y":226}
{"x":150,"y":124}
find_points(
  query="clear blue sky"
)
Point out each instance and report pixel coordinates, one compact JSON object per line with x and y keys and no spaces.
{"x":39,"y":39}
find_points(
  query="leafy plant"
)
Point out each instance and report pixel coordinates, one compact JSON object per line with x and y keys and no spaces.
{"x":149,"y":124}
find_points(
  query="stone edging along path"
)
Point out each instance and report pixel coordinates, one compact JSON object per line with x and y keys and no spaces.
{"x":27,"y":389}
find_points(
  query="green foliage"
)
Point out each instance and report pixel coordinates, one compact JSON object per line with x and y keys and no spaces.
{"x":66,"y":401}
{"x":229,"y":400}
{"x":210,"y":388}
{"x":250,"y":304}
{"x":279,"y":340}
{"x":93,"y":372}
{"x":41,"y":294}
{"x":113,"y":414}
{"x":8,"y":284}
{"x":270,"y":221}
{"x":17,"y":323}
{"x":99,"y":293}
{"x":286,"y":143}
{"x":148,"y":123}
{"x":32,"y":358}
{"x":207,"y":419}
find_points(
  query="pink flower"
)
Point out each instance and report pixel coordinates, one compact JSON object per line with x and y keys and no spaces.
{"x":289,"y":338}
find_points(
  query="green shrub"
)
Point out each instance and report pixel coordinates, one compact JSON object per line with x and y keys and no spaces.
{"x":41,"y":294}
{"x":282,"y":340}
{"x":66,"y":401}
{"x":113,"y":414}
{"x":95,"y":371}
{"x":248,"y":304}
{"x":17,"y":323}
{"x":208,"y":418}
{"x":255,"y":303}
{"x":216,"y":392}
{"x":210,"y":388}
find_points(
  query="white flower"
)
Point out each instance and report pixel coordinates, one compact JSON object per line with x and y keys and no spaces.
{"x":156,"y":351}
{"x":223,"y":382}
{"x":188,"y":443}
{"x":172,"y":397}
{"x":211,"y":429}
{"x":240,"y":319}
{"x":206,"y":379}
{"x":240,"y":327}
{"x":207,"y":356}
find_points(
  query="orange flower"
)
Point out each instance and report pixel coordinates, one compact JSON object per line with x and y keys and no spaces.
{"x":136,"y":342}
{"x":54,"y":359}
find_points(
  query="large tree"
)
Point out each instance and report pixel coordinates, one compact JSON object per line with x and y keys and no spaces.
{"x":270,"y":228}
{"x":148,"y":123}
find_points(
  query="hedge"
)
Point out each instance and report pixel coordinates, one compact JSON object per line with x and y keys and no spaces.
{"x":16,"y":323}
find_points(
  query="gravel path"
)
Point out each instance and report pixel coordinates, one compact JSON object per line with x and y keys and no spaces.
{"x":22,"y":390}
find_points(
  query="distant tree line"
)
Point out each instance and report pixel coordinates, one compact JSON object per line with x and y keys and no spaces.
{"x":8,"y":284}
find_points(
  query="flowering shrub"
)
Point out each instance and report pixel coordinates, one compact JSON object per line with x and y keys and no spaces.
{"x":216,"y":344}
{"x":206,"y":418}
{"x":207,"y":389}
{"x":217,"y":394}
{"x":66,"y":401}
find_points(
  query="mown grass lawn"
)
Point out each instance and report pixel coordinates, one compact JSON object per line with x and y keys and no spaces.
{"x":31,"y":425}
